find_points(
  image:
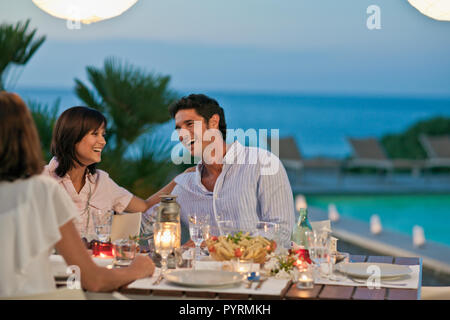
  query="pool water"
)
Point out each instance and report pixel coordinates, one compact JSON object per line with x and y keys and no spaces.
{"x":397,"y":212}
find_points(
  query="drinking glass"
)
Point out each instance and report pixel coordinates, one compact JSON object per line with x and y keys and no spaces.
{"x":124,"y":251}
{"x":165,"y":238}
{"x":146,"y":232}
{"x":319,"y":251}
{"x":102,"y":223}
{"x":198,"y":229}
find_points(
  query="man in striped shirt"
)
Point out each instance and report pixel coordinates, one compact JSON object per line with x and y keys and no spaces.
{"x":231,"y":182}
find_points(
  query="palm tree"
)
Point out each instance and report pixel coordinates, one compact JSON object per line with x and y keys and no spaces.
{"x":134,"y":102}
{"x":45,"y":117}
{"x":17,"y":46}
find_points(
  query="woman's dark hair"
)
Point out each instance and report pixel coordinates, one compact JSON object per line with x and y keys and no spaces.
{"x":20,"y":147}
{"x":204,"y":106}
{"x":70,"y":128}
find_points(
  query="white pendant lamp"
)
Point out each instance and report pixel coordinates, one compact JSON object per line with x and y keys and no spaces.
{"x":85,"y":11}
{"x":436,"y":9}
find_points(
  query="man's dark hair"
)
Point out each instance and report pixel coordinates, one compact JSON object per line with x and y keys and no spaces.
{"x":204,"y":106}
{"x":70,"y":128}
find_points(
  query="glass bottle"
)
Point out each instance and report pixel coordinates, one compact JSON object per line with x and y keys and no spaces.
{"x":299,"y":233}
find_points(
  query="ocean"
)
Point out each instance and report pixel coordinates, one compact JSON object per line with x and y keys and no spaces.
{"x":320,"y":124}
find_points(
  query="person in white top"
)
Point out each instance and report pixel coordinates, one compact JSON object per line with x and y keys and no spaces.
{"x":36,"y":215}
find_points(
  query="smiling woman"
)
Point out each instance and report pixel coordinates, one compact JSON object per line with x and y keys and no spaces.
{"x":77,"y":144}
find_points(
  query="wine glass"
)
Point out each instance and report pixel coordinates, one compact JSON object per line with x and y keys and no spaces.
{"x":165,"y":236}
{"x":198,"y":228}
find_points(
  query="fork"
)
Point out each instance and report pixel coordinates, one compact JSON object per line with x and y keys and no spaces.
{"x":260,"y":283}
{"x":158,"y":280}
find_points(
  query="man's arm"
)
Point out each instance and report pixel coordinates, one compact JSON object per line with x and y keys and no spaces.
{"x":139,"y":205}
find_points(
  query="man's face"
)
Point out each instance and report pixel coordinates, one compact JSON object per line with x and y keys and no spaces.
{"x":191,"y":126}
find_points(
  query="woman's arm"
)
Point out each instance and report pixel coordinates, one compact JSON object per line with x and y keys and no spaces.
{"x":93,"y":277}
{"x":138,"y":205}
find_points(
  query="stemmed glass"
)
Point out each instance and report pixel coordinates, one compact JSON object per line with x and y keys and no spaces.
{"x":165,"y":236}
{"x":198,"y":229}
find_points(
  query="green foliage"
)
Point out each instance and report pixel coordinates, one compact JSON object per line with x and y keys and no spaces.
{"x":45,"y":116}
{"x":134,"y":102}
{"x":17,"y":46}
{"x":407,"y":145}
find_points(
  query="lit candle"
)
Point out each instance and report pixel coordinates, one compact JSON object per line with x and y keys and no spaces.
{"x":165,"y":240}
{"x":305,"y":281}
{"x":304,"y":277}
{"x":243,"y":266}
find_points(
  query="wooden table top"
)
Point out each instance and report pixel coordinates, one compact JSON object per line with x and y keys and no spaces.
{"x":318,"y":292}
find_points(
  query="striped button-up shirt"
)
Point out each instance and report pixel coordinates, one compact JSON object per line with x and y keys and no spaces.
{"x":253,"y":186}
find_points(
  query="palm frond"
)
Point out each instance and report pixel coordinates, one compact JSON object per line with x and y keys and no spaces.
{"x":45,"y":116}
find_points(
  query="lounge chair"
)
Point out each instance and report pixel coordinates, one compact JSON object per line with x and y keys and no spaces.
{"x":437,"y":149}
{"x":368,"y":153}
{"x":290,"y":156}
{"x":296,"y":165}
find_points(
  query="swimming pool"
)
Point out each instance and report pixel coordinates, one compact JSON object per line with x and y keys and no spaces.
{"x":397,"y":212}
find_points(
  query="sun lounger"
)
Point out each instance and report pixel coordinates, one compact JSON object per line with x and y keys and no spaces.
{"x":437,"y":149}
{"x":368,"y":153}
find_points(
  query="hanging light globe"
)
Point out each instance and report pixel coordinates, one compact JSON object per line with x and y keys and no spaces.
{"x":85,"y":11}
{"x":436,"y":9}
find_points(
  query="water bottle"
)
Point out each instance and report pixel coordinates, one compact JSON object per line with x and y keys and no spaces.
{"x":298,"y":237}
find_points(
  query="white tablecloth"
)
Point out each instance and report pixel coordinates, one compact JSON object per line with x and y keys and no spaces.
{"x":272,"y":286}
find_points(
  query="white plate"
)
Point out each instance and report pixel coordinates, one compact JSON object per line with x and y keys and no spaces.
{"x":203,"y":278}
{"x":367,"y":269}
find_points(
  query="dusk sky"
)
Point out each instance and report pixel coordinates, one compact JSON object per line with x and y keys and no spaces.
{"x":321,"y":46}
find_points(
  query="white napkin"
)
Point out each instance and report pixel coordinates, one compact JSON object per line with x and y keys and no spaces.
{"x":410,"y":281}
{"x":272,"y":286}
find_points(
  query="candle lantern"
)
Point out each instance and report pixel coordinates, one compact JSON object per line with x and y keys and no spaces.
{"x":169,"y":212}
{"x":165,"y":239}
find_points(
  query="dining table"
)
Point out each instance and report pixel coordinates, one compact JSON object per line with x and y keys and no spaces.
{"x":289,"y":290}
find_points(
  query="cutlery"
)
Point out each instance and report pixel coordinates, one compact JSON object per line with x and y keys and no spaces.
{"x":260,"y":283}
{"x":381,"y":282}
{"x":158,"y":280}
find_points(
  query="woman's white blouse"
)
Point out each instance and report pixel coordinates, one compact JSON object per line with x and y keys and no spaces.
{"x":31,"y":213}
